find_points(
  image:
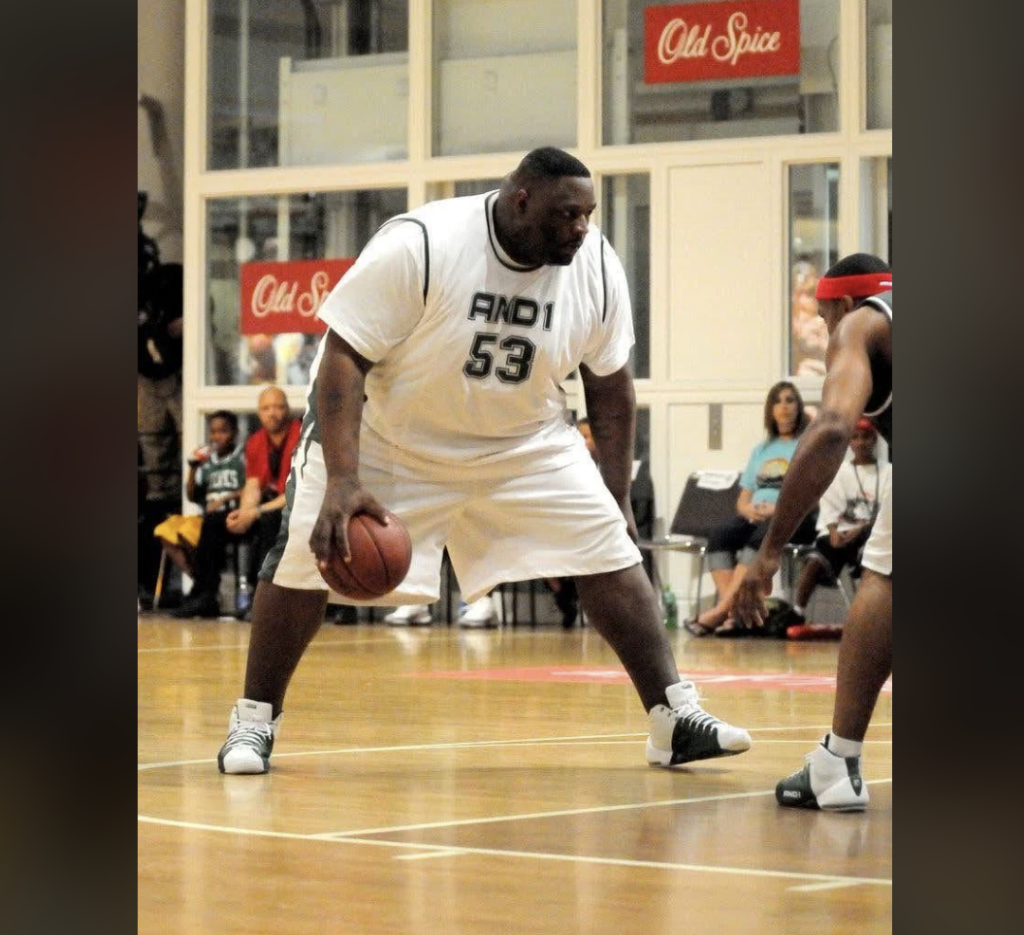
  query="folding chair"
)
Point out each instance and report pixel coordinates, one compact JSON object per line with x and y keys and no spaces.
{"x":793,"y":553}
{"x":709,"y":498}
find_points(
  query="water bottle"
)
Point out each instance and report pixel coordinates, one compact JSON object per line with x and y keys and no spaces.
{"x":668,"y":602}
{"x":243,"y":600}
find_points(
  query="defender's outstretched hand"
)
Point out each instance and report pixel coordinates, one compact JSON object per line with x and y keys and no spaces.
{"x":749,"y":602}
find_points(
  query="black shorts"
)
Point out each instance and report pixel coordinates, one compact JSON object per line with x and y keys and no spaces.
{"x":838,"y":559}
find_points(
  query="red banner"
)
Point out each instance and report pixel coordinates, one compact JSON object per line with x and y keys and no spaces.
{"x":712,"y":41}
{"x":283,"y":298}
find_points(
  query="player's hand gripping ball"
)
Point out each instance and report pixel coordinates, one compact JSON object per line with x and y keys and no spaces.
{"x":380,"y":560}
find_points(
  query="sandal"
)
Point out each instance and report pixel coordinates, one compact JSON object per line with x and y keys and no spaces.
{"x":733,"y":629}
{"x":692,"y":626}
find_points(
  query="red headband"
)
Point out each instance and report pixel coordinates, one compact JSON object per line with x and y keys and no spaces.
{"x":858,"y":287}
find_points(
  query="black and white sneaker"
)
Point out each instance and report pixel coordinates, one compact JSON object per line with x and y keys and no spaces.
{"x":683,"y":731}
{"x":829,"y":782}
{"x":251,"y":733}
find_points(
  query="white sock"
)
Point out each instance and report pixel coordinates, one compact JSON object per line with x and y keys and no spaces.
{"x":842,"y":747}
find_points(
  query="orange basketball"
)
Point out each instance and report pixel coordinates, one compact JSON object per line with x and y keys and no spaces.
{"x":381,"y":556}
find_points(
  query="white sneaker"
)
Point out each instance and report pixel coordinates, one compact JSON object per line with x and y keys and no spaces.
{"x":684,"y":731}
{"x":251,"y":733}
{"x":479,"y":614}
{"x":409,"y":615}
{"x":829,"y":782}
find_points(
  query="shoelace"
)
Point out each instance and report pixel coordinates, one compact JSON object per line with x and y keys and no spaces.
{"x":693,"y":715}
{"x":249,"y":733}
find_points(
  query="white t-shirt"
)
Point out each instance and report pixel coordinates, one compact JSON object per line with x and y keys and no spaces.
{"x":853,"y":495}
{"x":469,"y":349}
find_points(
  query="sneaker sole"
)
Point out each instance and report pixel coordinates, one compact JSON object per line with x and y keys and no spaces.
{"x":663,"y":758}
{"x":813,"y":805}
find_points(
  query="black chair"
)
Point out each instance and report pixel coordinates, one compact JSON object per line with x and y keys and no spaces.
{"x":793,"y":556}
{"x":709,"y":498}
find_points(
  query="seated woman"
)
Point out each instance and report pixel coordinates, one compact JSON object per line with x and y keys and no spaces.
{"x":784,"y":421}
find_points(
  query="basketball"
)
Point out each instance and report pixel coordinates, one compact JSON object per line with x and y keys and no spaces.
{"x":381,"y":556}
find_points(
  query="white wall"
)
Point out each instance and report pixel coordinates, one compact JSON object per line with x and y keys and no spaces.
{"x":162,"y":121}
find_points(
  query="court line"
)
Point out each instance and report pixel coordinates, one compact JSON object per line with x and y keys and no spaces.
{"x":393,"y":640}
{"x":429,"y":855}
{"x":406,"y":748}
{"x":817,"y":887}
{"x":449,"y":850}
{"x":532,"y":741}
{"x":823,"y":881}
{"x":559,"y":813}
{"x":324,"y":644}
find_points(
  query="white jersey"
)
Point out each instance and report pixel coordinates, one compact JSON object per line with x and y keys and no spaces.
{"x":469,"y":348}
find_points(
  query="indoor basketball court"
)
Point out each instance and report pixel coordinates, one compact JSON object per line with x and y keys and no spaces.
{"x":441,"y":780}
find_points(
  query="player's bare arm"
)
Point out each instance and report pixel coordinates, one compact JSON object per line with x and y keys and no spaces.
{"x":611,"y":408}
{"x":820,"y":452}
{"x":340,"y":383}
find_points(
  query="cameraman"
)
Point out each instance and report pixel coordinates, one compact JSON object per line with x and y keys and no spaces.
{"x":159,"y":395}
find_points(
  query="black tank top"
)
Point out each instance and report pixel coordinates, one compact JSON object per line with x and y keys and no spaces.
{"x":879,"y":408}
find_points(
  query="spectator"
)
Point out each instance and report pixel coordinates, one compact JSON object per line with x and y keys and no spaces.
{"x":479,"y":613}
{"x":198,"y":545}
{"x":268,"y":461}
{"x":159,"y":395}
{"x":410,"y":615}
{"x":784,"y":420}
{"x":846,"y":515}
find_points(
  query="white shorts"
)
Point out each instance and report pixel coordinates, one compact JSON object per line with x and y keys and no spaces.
{"x":878,"y":549}
{"x":498,"y":526}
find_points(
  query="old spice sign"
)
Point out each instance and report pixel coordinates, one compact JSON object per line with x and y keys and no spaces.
{"x":283,"y":298}
{"x":712,"y":41}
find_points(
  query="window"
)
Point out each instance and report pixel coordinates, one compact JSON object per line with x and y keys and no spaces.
{"x":879,"y":62}
{"x":876,"y":207}
{"x":307,"y":83}
{"x":267,"y":228}
{"x":438,"y":190}
{"x":813,"y":248}
{"x":638,"y":110}
{"x":624,"y":204}
{"x":504,"y":75}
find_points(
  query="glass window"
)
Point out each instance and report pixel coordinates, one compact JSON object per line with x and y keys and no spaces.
{"x":625,"y":219}
{"x":876,"y":207}
{"x":334,"y":225}
{"x":879,"y":62}
{"x":504,"y":75}
{"x":438,"y":190}
{"x":662,"y":81}
{"x":813,"y":248}
{"x":307,"y":83}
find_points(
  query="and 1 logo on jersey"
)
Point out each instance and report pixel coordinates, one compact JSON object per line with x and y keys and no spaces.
{"x":515,"y":311}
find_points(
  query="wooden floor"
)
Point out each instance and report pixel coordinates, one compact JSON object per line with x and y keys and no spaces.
{"x":434,"y":780}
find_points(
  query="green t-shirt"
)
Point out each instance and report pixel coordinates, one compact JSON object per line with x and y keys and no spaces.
{"x":219,"y":475}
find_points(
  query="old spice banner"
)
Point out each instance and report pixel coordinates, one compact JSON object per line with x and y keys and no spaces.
{"x":283,"y":298}
{"x":712,"y":41}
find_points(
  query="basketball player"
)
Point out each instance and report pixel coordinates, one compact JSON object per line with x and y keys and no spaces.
{"x":437,"y":393}
{"x":855,"y":299}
